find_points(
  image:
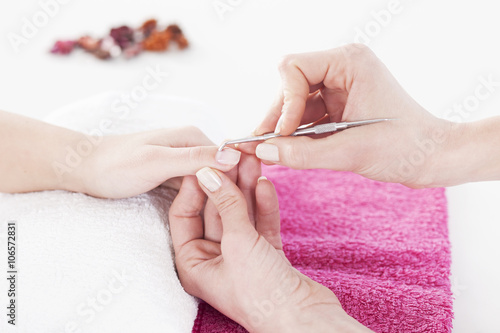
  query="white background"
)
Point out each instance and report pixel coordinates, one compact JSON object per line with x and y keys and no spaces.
{"x":438,"y":50}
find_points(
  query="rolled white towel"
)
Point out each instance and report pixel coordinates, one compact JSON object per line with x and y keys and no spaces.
{"x":99,"y":265}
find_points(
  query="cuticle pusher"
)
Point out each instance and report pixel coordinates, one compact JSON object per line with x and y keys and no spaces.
{"x":317,"y":129}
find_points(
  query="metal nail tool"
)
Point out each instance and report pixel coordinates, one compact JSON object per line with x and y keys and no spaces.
{"x":318,"y":129}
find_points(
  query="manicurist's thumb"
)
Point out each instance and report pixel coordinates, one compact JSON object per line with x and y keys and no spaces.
{"x":305,"y":152}
{"x":228,"y":199}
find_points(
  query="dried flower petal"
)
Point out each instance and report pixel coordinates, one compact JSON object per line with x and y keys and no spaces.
{"x":88,"y":43}
{"x":132,"y":51}
{"x":123,"y":36}
{"x":127,"y":41}
{"x":174,"y":29}
{"x":108,"y":44}
{"x":182,"y":42}
{"x":138,"y":36}
{"x":177,"y":36}
{"x":102,"y":54}
{"x":63,"y":47}
{"x":157,"y":41}
{"x":148,"y":27}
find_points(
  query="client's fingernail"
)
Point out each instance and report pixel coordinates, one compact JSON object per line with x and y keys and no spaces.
{"x":228,"y":156}
{"x":261,"y":178}
{"x":277,"y":130}
{"x":209,"y":179}
{"x":267,"y":152}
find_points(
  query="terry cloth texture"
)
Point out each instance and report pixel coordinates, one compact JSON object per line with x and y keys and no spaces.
{"x":93,"y":265}
{"x":382,"y":248}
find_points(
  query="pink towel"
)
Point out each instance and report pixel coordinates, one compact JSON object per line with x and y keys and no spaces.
{"x":383,"y":249}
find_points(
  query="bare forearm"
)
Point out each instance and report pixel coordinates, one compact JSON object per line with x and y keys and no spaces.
{"x":469,"y":153}
{"x":483,"y":149}
{"x":30,"y":151}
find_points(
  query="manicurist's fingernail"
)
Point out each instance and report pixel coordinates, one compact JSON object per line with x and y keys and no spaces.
{"x":209,"y":179}
{"x":267,"y":152}
{"x":228,"y":156}
{"x":261,"y":178}
{"x":277,"y":130}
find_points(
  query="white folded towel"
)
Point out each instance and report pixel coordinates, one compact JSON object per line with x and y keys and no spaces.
{"x":100,"y":265}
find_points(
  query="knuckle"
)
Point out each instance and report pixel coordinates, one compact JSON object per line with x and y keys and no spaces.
{"x":357,"y":52}
{"x":286,"y":62}
{"x":296,"y":156}
{"x":274,"y":211}
{"x":227,"y":202}
{"x":290,"y":94}
{"x":362,"y":55}
{"x":181,"y":209}
{"x":356,"y":49}
{"x":185,"y":273}
{"x":359,"y":47}
{"x":174,"y":211}
{"x":196,"y":153}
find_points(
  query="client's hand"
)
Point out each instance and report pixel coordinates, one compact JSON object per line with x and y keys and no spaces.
{"x":127,"y":165}
{"x":246,"y":275}
{"x":41,"y":156}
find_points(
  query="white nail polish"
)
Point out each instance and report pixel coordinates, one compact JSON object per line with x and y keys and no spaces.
{"x":228,"y":156}
{"x":277,"y":130}
{"x":209,"y":179}
{"x":261,"y":178}
{"x":267,"y":152}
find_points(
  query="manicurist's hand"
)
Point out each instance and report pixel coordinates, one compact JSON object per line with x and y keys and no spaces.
{"x":245,"y":274}
{"x":37,"y":156}
{"x":245,"y":176}
{"x":347,"y":84}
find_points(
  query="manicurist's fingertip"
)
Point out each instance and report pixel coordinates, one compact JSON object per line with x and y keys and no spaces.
{"x":279,"y":125}
{"x":267,"y":152}
{"x":209,"y":179}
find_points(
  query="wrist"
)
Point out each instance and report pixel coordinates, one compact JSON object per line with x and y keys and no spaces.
{"x":70,"y":161}
{"x":311,"y":307}
{"x":319,"y":311}
{"x":468,"y":153}
{"x":320,"y":316}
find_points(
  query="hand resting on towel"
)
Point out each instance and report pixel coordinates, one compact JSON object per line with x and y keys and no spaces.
{"x":38,"y":156}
